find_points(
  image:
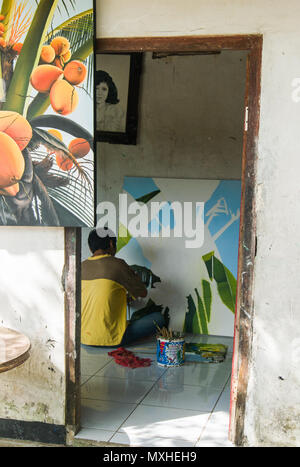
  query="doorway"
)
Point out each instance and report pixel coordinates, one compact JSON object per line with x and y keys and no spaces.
{"x":242,"y":327}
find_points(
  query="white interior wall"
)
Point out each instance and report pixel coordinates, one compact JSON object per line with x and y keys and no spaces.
{"x":273,"y":403}
{"x":32,"y":302}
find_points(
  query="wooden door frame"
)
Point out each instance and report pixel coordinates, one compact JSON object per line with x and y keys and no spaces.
{"x":247,"y":243}
{"x":71,"y":282}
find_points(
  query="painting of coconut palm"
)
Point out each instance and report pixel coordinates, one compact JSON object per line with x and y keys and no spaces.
{"x":46,"y":113}
{"x":198,"y":285}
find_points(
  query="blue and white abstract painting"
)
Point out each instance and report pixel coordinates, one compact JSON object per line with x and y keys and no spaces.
{"x":182,"y":269}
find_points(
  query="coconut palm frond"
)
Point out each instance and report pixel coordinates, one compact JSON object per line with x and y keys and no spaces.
{"x":75,"y":191}
{"x":72,"y":190}
{"x":63,"y":6}
{"x":69,"y":23}
{"x":63,"y":124}
{"x":40,"y":136}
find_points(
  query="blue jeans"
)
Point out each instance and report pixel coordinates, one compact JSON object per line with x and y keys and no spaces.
{"x":143,"y":327}
{"x":136,"y":330}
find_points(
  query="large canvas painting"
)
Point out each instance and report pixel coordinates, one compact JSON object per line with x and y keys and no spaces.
{"x":47,"y":112}
{"x":198,"y":279}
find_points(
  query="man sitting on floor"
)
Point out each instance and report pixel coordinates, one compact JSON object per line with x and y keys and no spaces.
{"x":106,"y":280}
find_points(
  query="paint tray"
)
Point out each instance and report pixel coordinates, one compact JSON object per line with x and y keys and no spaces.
{"x":205,"y":353}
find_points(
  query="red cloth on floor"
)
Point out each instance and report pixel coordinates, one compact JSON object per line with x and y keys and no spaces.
{"x":126,"y":358}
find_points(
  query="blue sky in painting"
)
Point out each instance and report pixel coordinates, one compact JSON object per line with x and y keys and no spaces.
{"x":230,"y":192}
{"x":164,"y":218}
{"x":139,"y":186}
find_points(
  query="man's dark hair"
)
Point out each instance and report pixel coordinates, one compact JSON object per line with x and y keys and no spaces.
{"x":99,"y":239}
{"x":102,"y":76}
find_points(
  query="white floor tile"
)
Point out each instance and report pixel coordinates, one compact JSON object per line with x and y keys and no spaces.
{"x":197,"y":374}
{"x":90,"y":365}
{"x":149,"y":423}
{"x":104,"y":415}
{"x":84,"y":379}
{"x":94,"y":435}
{"x":216,"y":431}
{"x":198,"y":398}
{"x":94,"y":351}
{"x":148,"y":348}
{"x":223,"y":404}
{"x":115,"y":389}
{"x":123,"y":438}
{"x":151,"y":373}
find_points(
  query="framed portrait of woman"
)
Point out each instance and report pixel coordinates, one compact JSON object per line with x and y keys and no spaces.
{"x":117,"y":79}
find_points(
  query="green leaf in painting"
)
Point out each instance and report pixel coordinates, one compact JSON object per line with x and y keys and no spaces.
{"x":51,"y":142}
{"x":227,"y":295}
{"x":196,"y":327}
{"x":189,"y":317}
{"x":207,"y":298}
{"x":201,"y":315}
{"x":208,"y":260}
{"x":64,"y":124}
{"x":124,"y":237}
{"x":226,"y":282}
{"x":146,"y":198}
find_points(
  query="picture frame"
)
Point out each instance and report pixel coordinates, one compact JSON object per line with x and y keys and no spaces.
{"x":117,"y":83}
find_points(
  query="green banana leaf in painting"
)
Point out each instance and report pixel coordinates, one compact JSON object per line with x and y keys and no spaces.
{"x":47,"y":195}
{"x":124,"y":237}
{"x":198,"y":316}
{"x":146,"y":198}
{"x":226,"y":282}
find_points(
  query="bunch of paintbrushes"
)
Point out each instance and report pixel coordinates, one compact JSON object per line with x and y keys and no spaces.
{"x":168,"y":334}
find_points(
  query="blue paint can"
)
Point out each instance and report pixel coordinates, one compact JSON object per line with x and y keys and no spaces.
{"x":170,"y":353}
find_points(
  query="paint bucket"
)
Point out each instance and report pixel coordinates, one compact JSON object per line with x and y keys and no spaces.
{"x":170,"y":353}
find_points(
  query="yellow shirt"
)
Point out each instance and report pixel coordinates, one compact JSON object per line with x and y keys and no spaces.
{"x":105,"y":280}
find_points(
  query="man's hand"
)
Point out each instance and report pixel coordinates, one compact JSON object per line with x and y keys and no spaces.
{"x":129,"y":299}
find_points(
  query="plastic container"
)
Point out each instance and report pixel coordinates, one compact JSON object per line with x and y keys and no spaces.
{"x":170,"y":353}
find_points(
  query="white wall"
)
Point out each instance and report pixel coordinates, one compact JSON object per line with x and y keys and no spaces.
{"x":273,"y":406}
{"x":32,"y":302}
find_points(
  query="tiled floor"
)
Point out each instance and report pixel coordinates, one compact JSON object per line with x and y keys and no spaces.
{"x":179,"y":407}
